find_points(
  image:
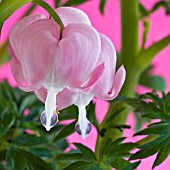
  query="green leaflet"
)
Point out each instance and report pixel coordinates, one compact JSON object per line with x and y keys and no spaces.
{"x":8,"y":7}
{"x":158,"y":134}
{"x":102,"y":6}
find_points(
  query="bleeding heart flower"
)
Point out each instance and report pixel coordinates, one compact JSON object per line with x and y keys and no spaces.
{"x":41,"y":59}
{"x":66,"y":70}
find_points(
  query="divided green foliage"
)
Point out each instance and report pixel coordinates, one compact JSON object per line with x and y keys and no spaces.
{"x":115,"y":152}
{"x":157,"y":108}
{"x":82,"y":158}
{"x":154,"y":82}
{"x":39,"y":150}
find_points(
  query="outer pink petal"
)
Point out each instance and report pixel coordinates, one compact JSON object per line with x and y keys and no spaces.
{"x":78,"y":54}
{"x":35,"y":47}
{"x":66,"y":98}
{"x":70,"y":15}
{"x":117,"y":84}
{"x":17,"y":31}
{"x":16,"y":69}
{"x":41,"y":94}
{"x":108,"y":56}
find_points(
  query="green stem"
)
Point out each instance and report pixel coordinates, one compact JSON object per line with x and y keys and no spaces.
{"x":130,"y":49}
{"x":51,"y":11}
{"x":129,"y":28}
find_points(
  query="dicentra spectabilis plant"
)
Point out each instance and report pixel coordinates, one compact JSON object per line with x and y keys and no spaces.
{"x":60,"y":63}
{"x":64,"y":69}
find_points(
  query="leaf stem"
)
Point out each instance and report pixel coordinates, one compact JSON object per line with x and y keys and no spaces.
{"x":146,"y":56}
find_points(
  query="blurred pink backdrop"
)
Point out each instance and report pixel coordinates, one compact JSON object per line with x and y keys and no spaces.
{"x":109,"y":24}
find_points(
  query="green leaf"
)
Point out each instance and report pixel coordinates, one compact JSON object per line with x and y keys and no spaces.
{"x":4,"y":56}
{"x":34,"y":162}
{"x":69,"y":113}
{"x":2,"y":167}
{"x":157,"y":134}
{"x":65,"y":131}
{"x":114,"y":115}
{"x":57,"y":3}
{"x":70,"y":157}
{"x":25,"y":160}
{"x":153,"y":82}
{"x":91,"y":116}
{"x":40,"y":152}
{"x":132,"y":166}
{"x":28,"y":140}
{"x":18,"y":159}
{"x":62,"y":145}
{"x":73,"y":2}
{"x":2,"y":154}
{"x":85,"y":151}
{"x":82,"y":165}
{"x":28,"y":101}
{"x":29,"y":10}
{"x":145,"y":57}
{"x":8,"y":7}
{"x":162,"y":155}
{"x":102,"y":5}
{"x":143,"y":11}
{"x":155,"y":130}
{"x":116,"y":149}
{"x":150,"y":148}
{"x":7,"y":120}
{"x":119,"y":163}
{"x":37,"y":129}
{"x":160,"y":4}
{"x":33,"y":113}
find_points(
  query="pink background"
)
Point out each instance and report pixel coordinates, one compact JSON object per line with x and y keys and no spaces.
{"x":110,"y":25}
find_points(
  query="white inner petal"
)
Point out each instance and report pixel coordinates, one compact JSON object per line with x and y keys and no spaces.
{"x":50,"y":106}
{"x":82,"y":120}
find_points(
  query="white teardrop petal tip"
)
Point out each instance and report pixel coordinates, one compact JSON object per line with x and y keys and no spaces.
{"x":83,"y":136}
{"x":47,"y":128}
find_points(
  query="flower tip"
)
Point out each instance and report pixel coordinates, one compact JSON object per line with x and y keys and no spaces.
{"x":47,"y":128}
{"x":83,"y":136}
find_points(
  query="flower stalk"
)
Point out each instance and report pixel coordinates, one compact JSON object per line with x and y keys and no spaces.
{"x":129,"y":53}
